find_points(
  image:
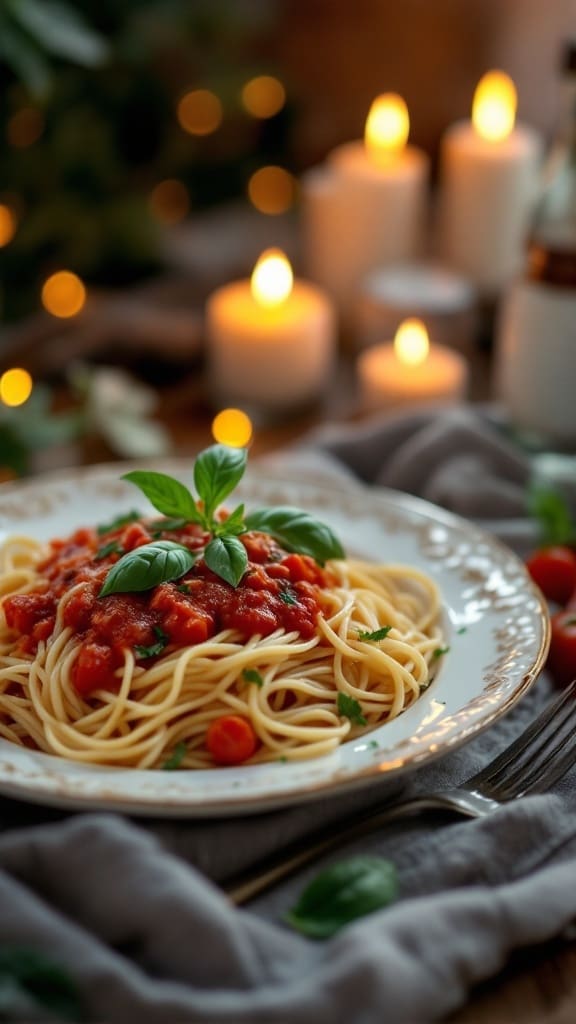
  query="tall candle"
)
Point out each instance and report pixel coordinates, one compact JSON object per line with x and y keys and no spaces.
{"x":365,"y":207}
{"x":271,"y":339}
{"x":489,"y":170}
{"x":410,"y":371}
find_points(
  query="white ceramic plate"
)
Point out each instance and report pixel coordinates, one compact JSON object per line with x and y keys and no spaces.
{"x":495,"y":621}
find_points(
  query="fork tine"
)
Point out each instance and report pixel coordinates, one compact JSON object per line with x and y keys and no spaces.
{"x":532,"y":742}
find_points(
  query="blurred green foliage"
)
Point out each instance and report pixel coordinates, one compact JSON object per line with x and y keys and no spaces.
{"x":103,"y":78}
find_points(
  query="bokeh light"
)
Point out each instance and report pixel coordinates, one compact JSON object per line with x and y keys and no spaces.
{"x":15,"y":386}
{"x":263,"y":96}
{"x":272,"y":189}
{"x":63,"y":294}
{"x":169,"y":201}
{"x":7,"y":225}
{"x":200,"y":112}
{"x":232,"y":427}
{"x":25,"y":127}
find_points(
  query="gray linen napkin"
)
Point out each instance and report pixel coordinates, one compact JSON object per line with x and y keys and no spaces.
{"x":127,"y":907}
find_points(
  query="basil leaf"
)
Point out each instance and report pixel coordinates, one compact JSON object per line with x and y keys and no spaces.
{"x":440,"y":651}
{"x":233,"y":525}
{"x":116,"y":524}
{"x":162,"y":525}
{"x":553,"y":514}
{"x":168,"y":495}
{"x":147,"y":566}
{"x":153,"y":649}
{"x":227,"y":557}
{"x":297,"y":531}
{"x":378,"y":634}
{"x":342,"y":893}
{"x":113,"y":547}
{"x":217,"y":470}
{"x":252,"y":675}
{"x":350,"y":708}
{"x":35,"y":987}
{"x":176,"y":757}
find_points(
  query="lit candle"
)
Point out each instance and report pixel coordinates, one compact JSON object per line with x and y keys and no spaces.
{"x":410,"y":371}
{"x":271,"y":340}
{"x":365,"y":207}
{"x":489,"y":169}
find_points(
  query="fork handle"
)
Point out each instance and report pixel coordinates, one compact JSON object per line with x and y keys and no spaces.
{"x":275,"y":868}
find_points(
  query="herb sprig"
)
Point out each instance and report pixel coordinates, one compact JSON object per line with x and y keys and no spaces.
{"x":343,"y":892}
{"x":217,"y":471}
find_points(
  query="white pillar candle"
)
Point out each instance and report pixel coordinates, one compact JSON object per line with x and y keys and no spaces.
{"x":410,"y":371}
{"x":489,"y":169}
{"x":365,"y":207}
{"x":271,"y":340}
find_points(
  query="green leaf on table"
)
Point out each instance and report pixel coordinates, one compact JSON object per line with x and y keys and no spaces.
{"x":297,"y":530}
{"x":376,"y":635}
{"x":168,"y":495}
{"x":217,"y":470}
{"x":34,"y":987}
{"x":342,"y":893}
{"x":551,"y":511}
{"x":227,"y":557}
{"x":148,"y":566}
{"x":348,"y":707}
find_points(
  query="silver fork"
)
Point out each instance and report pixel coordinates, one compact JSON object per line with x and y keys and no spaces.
{"x":537,"y":759}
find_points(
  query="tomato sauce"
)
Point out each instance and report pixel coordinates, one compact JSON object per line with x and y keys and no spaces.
{"x":278,"y":590}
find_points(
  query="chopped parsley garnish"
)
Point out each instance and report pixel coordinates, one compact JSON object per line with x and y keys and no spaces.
{"x":378,"y":634}
{"x":440,"y":651}
{"x":374,"y":744}
{"x":252,"y":675}
{"x":183,"y":588}
{"x":463,"y":629}
{"x":116,"y":524}
{"x":153,"y":649}
{"x":113,"y":547}
{"x":287,"y":596}
{"x":176,"y":757}
{"x":348,"y":707}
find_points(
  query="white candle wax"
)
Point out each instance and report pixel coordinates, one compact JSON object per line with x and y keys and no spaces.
{"x":386,"y":382}
{"x":487,"y":192}
{"x":362,"y":211}
{"x":275,"y":357}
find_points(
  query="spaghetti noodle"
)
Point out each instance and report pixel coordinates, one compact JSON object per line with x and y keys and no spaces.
{"x":308,"y":656}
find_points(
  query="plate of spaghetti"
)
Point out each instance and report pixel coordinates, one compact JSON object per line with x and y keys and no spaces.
{"x":195,"y":640}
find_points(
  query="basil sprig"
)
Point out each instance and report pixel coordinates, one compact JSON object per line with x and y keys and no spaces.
{"x":217,"y":471}
{"x":343,"y":892}
{"x":147,"y":566}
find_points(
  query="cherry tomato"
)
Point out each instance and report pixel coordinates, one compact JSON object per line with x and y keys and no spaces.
{"x":554,"y":570}
{"x":231,"y":739}
{"x":562,"y":654}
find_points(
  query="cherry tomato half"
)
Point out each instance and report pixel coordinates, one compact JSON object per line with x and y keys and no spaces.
{"x":554,"y":570}
{"x":231,"y":739}
{"x":562,"y":654}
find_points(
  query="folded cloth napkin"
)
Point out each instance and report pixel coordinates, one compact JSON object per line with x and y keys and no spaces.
{"x":131,"y":911}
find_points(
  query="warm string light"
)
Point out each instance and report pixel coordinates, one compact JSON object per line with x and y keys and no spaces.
{"x":272,"y":279}
{"x":169,"y":201}
{"x":263,"y":96}
{"x":200,"y":112}
{"x":272,"y":190}
{"x":232,"y":427}
{"x":63,"y":294}
{"x":15,"y":386}
{"x":387,"y":127}
{"x":494,"y":106}
{"x":411,"y":343}
{"x":7,"y":225}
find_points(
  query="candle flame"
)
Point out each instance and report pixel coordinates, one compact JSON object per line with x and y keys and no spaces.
{"x":272,"y":279}
{"x":494,"y":106}
{"x":387,"y":127}
{"x":411,"y":343}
